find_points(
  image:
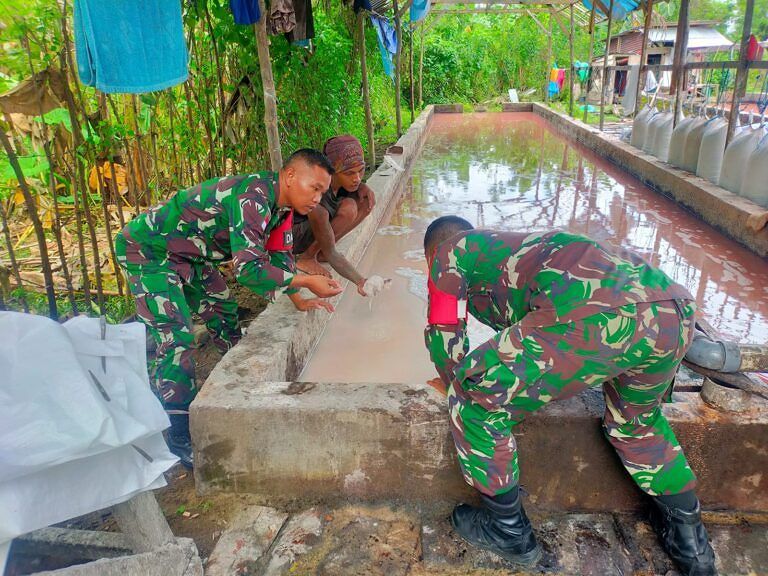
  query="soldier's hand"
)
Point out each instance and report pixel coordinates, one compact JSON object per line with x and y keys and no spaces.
{"x":439,"y":385}
{"x":322,"y":286}
{"x":313,"y":304}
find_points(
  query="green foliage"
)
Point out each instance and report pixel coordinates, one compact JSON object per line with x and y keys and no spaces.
{"x":475,"y":58}
{"x":116,"y":308}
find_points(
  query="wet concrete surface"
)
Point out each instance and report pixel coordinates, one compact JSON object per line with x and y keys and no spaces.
{"x":510,"y":170}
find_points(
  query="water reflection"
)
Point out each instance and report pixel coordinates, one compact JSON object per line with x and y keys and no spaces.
{"x":511,"y":171}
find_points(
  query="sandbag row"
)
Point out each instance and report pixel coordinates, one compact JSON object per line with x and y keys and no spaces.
{"x":697,"y":144}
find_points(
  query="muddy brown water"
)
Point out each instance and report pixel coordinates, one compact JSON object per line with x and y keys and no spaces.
{"x":511,"y":170}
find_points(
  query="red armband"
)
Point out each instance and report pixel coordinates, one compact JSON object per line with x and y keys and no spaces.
{"x":281,"y":237}
{"x":444,"y":308}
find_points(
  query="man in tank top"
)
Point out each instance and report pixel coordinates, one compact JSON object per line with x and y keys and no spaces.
{"x":342,"y":208}
{"x":571,"y":313}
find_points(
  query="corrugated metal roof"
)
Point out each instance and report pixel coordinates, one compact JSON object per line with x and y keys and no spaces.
{"x":699,"y":38}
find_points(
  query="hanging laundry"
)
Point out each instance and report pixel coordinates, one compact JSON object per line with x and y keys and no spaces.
{"x":650,"y":82}
{"x":245,"y":11}
{"x":419,"y":10}
{"x":754,"y":49}
{"x":582,"y":71}
{"x":305,"y":23}
{"x":282,"y":17}
{"x":553,"y":89}
{"x":131,"y":46}
{"x":560,"y":78}
{"x":387,"y":42}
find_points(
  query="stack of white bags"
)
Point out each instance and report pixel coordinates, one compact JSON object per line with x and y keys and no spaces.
{"x":80,"y":428}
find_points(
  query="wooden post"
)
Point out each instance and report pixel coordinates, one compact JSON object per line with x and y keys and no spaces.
{"x":399,"y":34}
{"x":643,"y":55}
{"x":270,"y":98}
{"x":31,"y":205}
{"x":605,"y":66}
{"x":571,"y":71}
{"x":410,"y":61}
{"x":549,"y":59}
{"x":678,"y":82}
{"x":589,"y":61}
{"x":742,"y":72}
{"x":366,"y":92}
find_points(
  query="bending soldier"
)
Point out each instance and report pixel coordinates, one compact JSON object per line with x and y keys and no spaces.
{"x":570,"y":314}
{"x":170,"y":254}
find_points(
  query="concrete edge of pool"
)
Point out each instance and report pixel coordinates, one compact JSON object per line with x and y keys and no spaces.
{"x":256,"y":430}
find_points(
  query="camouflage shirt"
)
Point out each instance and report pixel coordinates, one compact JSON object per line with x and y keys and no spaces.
{"x":532,"y":280}
{"x":218,"y":220}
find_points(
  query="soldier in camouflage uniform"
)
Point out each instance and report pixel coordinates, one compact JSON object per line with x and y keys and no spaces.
{"x":570,"y":313}
{"x":170,"y":254}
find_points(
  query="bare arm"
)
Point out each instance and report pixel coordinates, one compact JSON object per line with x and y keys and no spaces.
{"x":325,"y":239}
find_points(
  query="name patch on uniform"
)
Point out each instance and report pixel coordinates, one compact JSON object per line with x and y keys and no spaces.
{"x":281,"y":237}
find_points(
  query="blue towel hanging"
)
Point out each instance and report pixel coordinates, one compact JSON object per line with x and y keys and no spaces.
{"x":130,"y":46}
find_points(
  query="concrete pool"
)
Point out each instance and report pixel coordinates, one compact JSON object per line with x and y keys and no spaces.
{"x":511,"y":170}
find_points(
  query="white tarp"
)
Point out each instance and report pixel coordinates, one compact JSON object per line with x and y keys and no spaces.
{"x":77,"y":433}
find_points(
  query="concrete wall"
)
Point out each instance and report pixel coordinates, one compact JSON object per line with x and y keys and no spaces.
{"x":725,"y":211}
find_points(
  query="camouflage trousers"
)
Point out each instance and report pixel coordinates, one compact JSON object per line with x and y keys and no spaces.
{"x":633,"y":351}
{"x":165,"y":303}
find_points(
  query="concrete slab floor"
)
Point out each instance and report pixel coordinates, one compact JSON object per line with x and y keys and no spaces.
{"x":357,"y":540}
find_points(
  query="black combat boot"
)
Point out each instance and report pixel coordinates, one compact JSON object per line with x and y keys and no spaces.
{"x":684,"y":537}
{"x":501,"y":527}
{"x":178,"y":439}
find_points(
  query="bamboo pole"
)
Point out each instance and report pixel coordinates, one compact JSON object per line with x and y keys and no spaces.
{"x":56,"y":225}
{"x":143,"y":172}
{"x":605,"y":66}
{"x":178,"y":169}
{"x":742,"y":72}
{"x":133,"y":194}
{"x":421,"y":65}
{"x":73,"y":167}
{"x":570,"y":71}
{"x":217,"y":60}
{"x":410,"y":61}
{"x":29,"y":201}
{"x":641,"y":74}
{"x":86,"y":281}
{"x":203,"y":106}
{"x":268,"y":83}
{"x":108,"y":229}
{"x":119,"y":202}
{"x":549,"y":59}
{"x":12,"y":257}
{"x":79,"y":166}
{"x":678,"y":83}
{"x":399,"y":34}
{"x":589,"y":60}
{"x":366,"y":92}
{"x":191,"y":128}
